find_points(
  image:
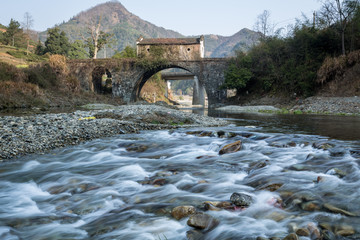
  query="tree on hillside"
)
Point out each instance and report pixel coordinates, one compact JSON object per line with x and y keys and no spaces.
{"x":338,"y":12}
{"x":263,"y":24}
{"x":98,"y":39}
{"x":128,"y":52}
{"x":12,"y":31}
{"x":77,"y":50}
{"x":57,"y":42}
{"x":27,"y":24}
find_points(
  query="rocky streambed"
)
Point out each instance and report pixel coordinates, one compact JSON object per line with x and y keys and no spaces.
{"x":38,"y":133}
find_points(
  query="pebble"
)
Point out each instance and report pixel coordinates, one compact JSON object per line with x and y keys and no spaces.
{"x":43,"y":132}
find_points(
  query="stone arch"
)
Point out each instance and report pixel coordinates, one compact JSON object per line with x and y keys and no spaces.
{"x":102,"y":80}
{"x":146,"y":74}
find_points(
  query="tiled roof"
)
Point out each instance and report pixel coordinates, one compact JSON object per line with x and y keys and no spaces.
{"x":168,"y":41}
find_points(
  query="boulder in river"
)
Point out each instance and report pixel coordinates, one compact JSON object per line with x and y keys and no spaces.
{"x":241,"y":199}
{"x":182,"y":211}
{"x":202,"y":221}
{"x":231,"y":148}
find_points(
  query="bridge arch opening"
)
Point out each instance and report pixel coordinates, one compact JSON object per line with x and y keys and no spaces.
{"x":173,"y":84}
{"x":102,"y":80}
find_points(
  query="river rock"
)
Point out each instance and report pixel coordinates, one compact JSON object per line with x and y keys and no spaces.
{"x":202,"y":221}
{"x":217,"y":205}
{"x":182,"y":211}
{"x":241,"y":199}
{"x":334,"y":209}
{"x":303,"y":232}
{"x":323,"y":145}
{"x":137,"y":148}
{"x":336,"y":172}
{"x":272,"y":187}
{"x":257,"y":165}
{"x":195,"y":235}
{"x":310,"y":206}
{"x":314,"y":230}
{"x":291,"y":236}
{"x":328,"y":235}
{"x":231,"y":148}
{"x":345,"y":230}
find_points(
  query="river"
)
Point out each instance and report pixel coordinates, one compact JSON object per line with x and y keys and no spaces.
{"x":125,"y":187}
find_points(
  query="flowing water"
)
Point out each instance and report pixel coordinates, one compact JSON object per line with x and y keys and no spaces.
{"x":125,"y":187}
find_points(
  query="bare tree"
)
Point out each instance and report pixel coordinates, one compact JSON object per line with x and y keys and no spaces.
{"x":97,"y":38}
{"x":263,"y":24}
{"x":27,"y":24}
{"x":338,"y":12}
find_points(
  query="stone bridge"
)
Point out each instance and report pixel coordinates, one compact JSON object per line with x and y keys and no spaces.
{"x":128,"y":77}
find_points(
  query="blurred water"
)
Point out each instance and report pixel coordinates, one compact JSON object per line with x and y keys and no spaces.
{"x":101,"y":190}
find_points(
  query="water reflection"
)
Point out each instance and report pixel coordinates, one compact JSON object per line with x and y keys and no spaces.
{"x":337,"y":127}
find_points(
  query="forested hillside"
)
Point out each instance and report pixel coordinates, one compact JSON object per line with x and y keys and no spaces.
{"x":310,"y":57}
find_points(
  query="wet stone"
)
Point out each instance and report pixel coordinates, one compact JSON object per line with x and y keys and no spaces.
{"x":291,"y":236}
{"x":272,"y":187}
{"x":303,"y":232}
{"x":258,"y":165}
{"x":323,"y":145}
{"x":182,"y":211}
{"x":195,"y":235}
{"x":241,"y":199}
{"x":334,"y":209}
{"x":231,"y":148}
{"x":202,"y":221}
{"x":345,"y":230}
{"x":328,"y":235}
{"x":310,"y":206}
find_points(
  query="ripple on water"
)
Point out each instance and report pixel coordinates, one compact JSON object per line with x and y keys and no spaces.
{"x":105,"y":190}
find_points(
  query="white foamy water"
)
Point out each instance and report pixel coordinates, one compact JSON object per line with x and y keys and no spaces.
{"x":126,"y":187}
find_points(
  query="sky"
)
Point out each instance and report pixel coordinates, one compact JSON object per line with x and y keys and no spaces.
{"x":188,"y":17}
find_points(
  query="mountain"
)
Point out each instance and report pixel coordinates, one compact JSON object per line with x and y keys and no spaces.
{"x":219,"y":46}
{"x":127,"y":28}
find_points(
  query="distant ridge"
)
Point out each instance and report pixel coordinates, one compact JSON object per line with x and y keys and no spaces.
{"x":127,"y":27}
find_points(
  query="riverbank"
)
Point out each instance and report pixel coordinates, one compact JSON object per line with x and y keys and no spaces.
{"x":43,"y":132}
{"x":311,"y":105}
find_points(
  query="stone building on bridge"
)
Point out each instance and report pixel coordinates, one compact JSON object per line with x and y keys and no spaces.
{"x":186,"y":49}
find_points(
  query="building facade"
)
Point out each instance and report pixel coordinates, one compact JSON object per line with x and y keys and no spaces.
{"x":171,"y":48}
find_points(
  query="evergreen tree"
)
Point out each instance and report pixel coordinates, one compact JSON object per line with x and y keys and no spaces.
{"x":12,"y":31}
{"x":57,"y":42}
{"x":128,"y":52}
{"x":40,"y":49}
{"x":77,"y":50}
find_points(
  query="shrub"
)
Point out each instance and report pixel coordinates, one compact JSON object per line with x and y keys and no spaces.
{"x":10,"y":73}
{"x":58,"y":64}
{"x":42,"y":75}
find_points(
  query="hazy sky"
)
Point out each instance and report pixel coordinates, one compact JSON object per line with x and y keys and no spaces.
{"x":189,"y":17}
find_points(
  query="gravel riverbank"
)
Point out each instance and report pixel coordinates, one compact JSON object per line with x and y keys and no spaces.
{"x":38,"y":133}
{"x":330,"y":105}
{"x":314,"y":105}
